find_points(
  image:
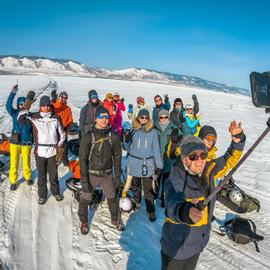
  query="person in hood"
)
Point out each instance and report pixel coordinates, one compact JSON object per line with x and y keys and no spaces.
{"x":64,"y":112}
{"x":120,"y":107}
{"x":100,"y":162}
{"x":111,"y":106}
{"x":186,"y":229}
{"x":166,"y":131}
{"x":20,"y":142}
{"x":141,"y":104}
{"x":144,"y":162}
{"x":49,"y":137}
{"x":159,"y":105}
{"x":88,"y":113}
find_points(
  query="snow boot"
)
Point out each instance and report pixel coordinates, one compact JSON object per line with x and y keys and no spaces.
{"x":84,"y":228}
{"x":13,"y":187}
{"x":152,"y":216}
{"x":42,"y":201}
{"x":30,"y":182}
{"x":58,"y":197}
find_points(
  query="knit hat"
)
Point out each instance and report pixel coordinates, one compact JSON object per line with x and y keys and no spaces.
{"x":63,"y":94}
{"x":177,"y":100}
{"x":101,"y":110}
{"x":190,"y":144}
{"x":207,"y":130}
{"x":189,"y":106}
{"x":92,"y":94}
{"x":143,"y":112}
{"x":163,"y":112}
{"x":45,"y":100}
{"x":20,"y":100}
{"x":109,"y":95}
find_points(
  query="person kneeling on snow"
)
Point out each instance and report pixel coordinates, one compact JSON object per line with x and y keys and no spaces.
{"x":186,"y":230}
{"x":100,"y":155}
{"x":49,"y":137}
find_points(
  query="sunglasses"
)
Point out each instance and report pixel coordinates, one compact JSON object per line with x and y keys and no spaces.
{"x":210,"y":137}
{"x":195,"y":157}
{"x":164,"y":117}
{"x":178,"y":103}
{"x":189,"y":109}
{"x":144,"y":117}
{"x":64,"y":97}
{"x":102,"y":116}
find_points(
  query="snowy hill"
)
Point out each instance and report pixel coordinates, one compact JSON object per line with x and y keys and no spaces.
{"x":48,"y":237}
{"x":35,"y":65}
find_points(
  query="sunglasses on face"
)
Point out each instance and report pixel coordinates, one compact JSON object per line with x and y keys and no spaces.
{"x":102,"y":116}
{"x":195,"y":157}
{"x":144,"y":117}
{"x":178,"y":103}
{"x":64,"y":97}
{"x":189,"y":109}
{"x":164,"y":117}
{"x":211,"y":138}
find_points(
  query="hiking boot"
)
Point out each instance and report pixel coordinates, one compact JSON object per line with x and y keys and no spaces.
{"x":84,"y":228}
{"x":58,"y":197}
{"x":42,"y":200}
{"x":118,"y":225}
{"x":30,"y":182}
{"x":152,"y":216}
{"x":13,"y":187}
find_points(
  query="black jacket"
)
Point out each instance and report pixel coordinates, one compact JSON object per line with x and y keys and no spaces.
{"x":87,"y":117}
{"x":100,"y":154}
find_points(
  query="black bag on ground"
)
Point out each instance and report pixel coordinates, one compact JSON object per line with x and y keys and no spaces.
{"x":248,"y":203}
{"x":241,"y":231}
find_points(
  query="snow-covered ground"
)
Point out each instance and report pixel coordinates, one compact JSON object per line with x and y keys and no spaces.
{"x":48,"y":236}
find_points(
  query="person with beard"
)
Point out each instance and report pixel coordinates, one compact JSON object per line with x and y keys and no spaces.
{"x":100,"y":156}
{"x":87,"y":114}
{"x":159,"y":105}
{"x":144,"y":161}
{"x":166,"y":131}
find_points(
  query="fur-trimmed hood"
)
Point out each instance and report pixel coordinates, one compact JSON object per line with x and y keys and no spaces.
{"x":137,"y":126}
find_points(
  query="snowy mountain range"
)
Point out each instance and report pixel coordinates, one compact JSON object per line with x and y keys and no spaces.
{"x":14,"y":64}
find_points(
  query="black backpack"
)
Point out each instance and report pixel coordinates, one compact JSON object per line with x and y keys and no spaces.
{"x":241,"y":231}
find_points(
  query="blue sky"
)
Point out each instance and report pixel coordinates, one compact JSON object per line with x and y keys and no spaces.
{"x":217,"y":40}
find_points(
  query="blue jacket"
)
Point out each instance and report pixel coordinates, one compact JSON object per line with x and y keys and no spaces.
{"x":25,"y":131}
{"x":164,"y":138}
{"x":156,"y":110}
{"x":192,"y":123}
{"x":181,"y":238}
{"x":143,"y":149}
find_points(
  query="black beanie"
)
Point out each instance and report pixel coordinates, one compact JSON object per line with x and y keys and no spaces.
{"x":143,"y":112}
{"x":207,"y":130}
{"x":100,"y":110}
{"x":44,"y":100}
{"x":178,"y":100}
{"x":92,"y":94}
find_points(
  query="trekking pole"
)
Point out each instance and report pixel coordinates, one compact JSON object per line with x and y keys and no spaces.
{"x":202,"y":205}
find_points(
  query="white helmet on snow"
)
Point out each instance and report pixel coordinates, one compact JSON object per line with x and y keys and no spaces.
{"x":125,"y":204}
{"x":236,"y":196}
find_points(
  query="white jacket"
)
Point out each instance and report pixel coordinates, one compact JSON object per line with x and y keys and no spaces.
{"x":48,"y":132}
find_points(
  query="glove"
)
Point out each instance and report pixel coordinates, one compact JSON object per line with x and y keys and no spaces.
{"x":30,"y":99}
{"x":130,"y":108}
{"x":175,"y":137}
{"x":128,"y":136}
{"x":122,"y":100}
{"x":158,"y":172}
{"x":166,"y":98}
{"x":15,"y":89}
{"x":54,"y":96}
{"x":182,"y":118}
{"x":60,"y":155}
{"x":194,"y":97}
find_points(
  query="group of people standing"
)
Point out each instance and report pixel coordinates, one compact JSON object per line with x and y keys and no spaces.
{"x":168,"y":155}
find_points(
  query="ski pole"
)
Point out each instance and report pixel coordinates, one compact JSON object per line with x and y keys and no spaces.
{"x":202,"y":205}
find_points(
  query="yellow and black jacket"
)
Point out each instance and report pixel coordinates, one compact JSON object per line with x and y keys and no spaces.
{"x":181,"y":238}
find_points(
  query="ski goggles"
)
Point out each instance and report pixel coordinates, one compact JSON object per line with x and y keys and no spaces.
{"x":164,"y":117}
{"x":210,"y":137}
{"x":93,"y":96}
{"x":102,"y":116}
{"x":195,"y":156}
